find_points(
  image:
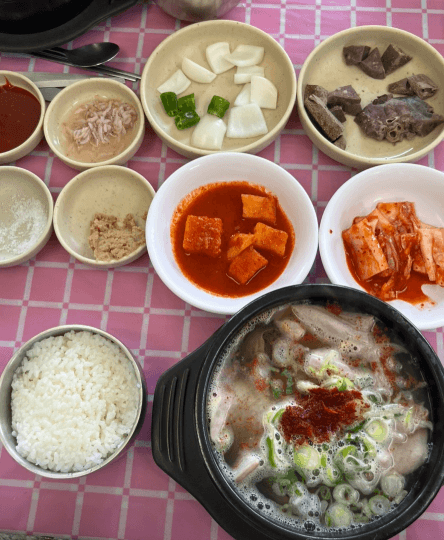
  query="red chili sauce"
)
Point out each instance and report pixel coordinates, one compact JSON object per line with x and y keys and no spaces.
{"x":412,"y":292}
{"x":19,"y":116}
{"x":324,"y":412}
{"x":223,"y":200}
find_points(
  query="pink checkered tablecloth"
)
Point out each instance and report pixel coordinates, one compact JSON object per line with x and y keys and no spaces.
{"x":132,"y":498}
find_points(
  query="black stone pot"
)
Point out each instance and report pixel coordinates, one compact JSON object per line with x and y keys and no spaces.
{"x":32,"y":25}
{"x":182,"y":448}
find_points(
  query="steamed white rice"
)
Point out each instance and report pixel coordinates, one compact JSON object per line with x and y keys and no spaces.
{"x":74,"y":401}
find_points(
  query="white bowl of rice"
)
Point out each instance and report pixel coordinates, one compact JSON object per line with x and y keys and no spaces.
{"x":71,"y":400}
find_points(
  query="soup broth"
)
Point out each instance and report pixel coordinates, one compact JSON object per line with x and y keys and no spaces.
{"x":318,"y":417}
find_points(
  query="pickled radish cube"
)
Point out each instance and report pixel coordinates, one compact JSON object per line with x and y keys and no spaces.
{"x":263,"y":92}
{"x":215,"y":54}
{"x":209,"y":133}
{"x":177,"y":83}
{"x":246,"y":121}
{"x":246,"y":55}
{"x":196,"y":72}
{"x":243,"y":98}
{"x":243,"y":74}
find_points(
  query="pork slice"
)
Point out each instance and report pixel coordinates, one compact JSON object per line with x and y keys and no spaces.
{"x":410,"y":455}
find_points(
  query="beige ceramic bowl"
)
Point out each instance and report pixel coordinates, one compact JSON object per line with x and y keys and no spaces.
{"x":111,"y":190}
{"x":28,"y":146}
{"x":9,"y":440}
{"x":325,"y":66}
{"x":192,"y":42}
{"x":77,"y":94}
{"x":26,"y":209}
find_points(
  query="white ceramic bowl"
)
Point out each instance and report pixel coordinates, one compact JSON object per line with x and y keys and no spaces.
{"x":33,"y":140}
{"x":228,"y":167}
{"x":192,"y":42}
{"x":359,"y":196}
{"x":26,"y":209}
{"x":82,"y":92}
{"x":111,"y":190}
{"x":325,"y":66}
{"x":9,"y":441}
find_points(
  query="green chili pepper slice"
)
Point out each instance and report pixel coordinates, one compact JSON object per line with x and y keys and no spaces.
{"x":169,"y":101}
{"x":186,"y":104}
{"x":186,"y":120}
{"x":218,"y":106}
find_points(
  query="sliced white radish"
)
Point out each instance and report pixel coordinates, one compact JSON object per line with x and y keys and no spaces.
{"x":196,"y":72}
{"x":244,"y":74}
{"x":246,"y":121}
{"x":246,"y":55}
{"x":209,"y":133}
{"x":177,"y":83}
{"x":215,"y":57}
{"x":243,"y":98}
{"x":263,"y":92}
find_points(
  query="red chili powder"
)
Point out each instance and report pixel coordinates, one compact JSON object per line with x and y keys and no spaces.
{"x":323,"y":413}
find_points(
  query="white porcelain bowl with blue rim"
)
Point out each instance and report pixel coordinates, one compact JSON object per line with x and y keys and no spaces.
{"x":228,"y":167}
{"x":358,"y":197}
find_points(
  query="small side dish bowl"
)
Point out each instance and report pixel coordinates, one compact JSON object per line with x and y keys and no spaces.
{"x":33,"y":140}
{"x":26,"y":211}
{"x":358,"y":197}
{"x":230,"y":167}
{"x":325,"y":66}
{"x":191,"y":42}
{"x":70,"y":100}
{"x":110,"y":190}
{"x":7,"y":437}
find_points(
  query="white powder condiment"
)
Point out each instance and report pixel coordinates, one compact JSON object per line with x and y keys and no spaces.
{"x":23,"y":220}
{"x":74,"y":401}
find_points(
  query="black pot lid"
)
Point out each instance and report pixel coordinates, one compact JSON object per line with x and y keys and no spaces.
{"x":30,"y":25}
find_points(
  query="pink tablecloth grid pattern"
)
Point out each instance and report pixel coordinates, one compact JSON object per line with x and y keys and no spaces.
{"x":132,"y":498}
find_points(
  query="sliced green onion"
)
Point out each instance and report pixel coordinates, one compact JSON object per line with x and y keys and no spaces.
{"x":324,"y":493}
{"x":392,"y":484}
{"x":186,"y":120}
{"x":356,"y":428}
{"x":378,"y":430}
{"x":277,"y":416}
{"x":338,"y":515}
{"x":186,"y":103}
{"x":218,"y":106}
{"x":307,"y":458}
{"x":270,"y":445}
{"x":345,"y":494}
{"x":169,"y":101}
{"x":379,"y":505}
{"x":289,"y":385}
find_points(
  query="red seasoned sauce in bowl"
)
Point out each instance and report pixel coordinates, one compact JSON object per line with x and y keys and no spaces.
{"x":19,"y":116}
{"x":223,"y":200}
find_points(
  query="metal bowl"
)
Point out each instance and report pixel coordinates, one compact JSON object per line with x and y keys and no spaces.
{"x":9,"y":441}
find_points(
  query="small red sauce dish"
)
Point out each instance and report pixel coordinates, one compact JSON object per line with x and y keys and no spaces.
{"x":22,"y":109}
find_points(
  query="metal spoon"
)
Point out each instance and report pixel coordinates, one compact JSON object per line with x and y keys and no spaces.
{"x":85,"y":56}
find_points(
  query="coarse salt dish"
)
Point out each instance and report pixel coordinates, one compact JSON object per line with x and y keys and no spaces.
{"x":230,"y":167}
{"x":95,"y":122}
{"x":26,"y":210}
{"x":72,"y":398}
